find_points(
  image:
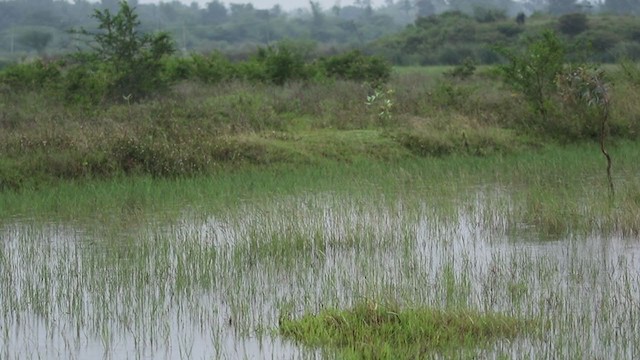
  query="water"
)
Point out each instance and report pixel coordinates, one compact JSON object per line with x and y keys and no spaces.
{"x":213,"y":284}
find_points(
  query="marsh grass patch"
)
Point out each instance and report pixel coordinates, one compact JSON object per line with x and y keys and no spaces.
{"x":371,"y":330}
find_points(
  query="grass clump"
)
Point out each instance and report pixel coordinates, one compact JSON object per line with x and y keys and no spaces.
{"x":371,"y":330}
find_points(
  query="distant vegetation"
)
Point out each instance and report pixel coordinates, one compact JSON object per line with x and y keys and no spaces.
{"x":403,"y":31}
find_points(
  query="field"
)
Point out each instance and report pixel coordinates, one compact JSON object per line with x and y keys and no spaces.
{"x":237,"y":221}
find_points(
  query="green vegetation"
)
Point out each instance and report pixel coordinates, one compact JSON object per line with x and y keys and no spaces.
{"x":451,"y":37}
{"x":530,"y":235}
{"x":373,"y":331}
{"x":215,"y":206}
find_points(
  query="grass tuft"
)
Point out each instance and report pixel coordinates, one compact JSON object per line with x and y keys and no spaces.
{"x":371,"y":330}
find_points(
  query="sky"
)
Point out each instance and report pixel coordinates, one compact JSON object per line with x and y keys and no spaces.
{"x":289,"y":4}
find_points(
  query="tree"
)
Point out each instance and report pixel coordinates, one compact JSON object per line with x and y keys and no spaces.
{"x":316,"y":12}
{"x":36,"y":39}
{"x":131,"y":60}
{"x":215,"y":12}
{"x":533,"y":73}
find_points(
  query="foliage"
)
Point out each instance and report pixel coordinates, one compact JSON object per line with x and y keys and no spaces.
{"x":354,"y":65}
{"x":282,"y":63}
{"x":131,"y":60}
{"x":30,"y":76}
{"x":580,"y":85}
{"x":573,"y":24}
{"x":464,"y":70}
{"x":533,"y":72}
{"x":382,"y":102}
{"x":386,"y":332}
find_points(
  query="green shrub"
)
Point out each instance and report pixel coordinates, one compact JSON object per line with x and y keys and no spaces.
{"x":34,"y":75}
{"x":488,"y":15}
{"x":178,"y":68}
{"x":510,"y":29}
{"x":463,"y":71}
{"x":356,"y":66}
{"x":282,"y":63}
{"x":573,"y":24}
{"x":212,"y":69}
{"x":533,"y":72}
{"x":131,"y":60}
{"x":85,"y":85}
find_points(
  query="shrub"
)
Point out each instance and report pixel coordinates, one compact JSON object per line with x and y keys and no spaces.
{"x":282,"y":63}
{"x":488,"y":15}
{"x":464,"y":70}
{"x":356,"y":66}
{"x":85,"y":85}
{"x":131,"y":60}
{"x":212,"y":69}
{"x":509,"y":29}
{"x":178,"y":68}
{"x":573,"y":24}
{"x":533,"y":72}
{"x":30,"y":76}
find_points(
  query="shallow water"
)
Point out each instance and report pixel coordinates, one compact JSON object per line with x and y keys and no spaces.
{"x":212,"y":284}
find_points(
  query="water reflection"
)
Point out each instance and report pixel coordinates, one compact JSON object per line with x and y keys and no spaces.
{"x":213,"y":285}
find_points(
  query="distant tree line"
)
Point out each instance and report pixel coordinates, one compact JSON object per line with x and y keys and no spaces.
{"x":422,"y":31}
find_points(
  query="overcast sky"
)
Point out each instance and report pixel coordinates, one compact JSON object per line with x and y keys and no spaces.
{"x":287,"y":4}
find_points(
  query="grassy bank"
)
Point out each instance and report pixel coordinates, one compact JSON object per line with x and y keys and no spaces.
{"x":558,"y":190}
{"x":204,"y":129}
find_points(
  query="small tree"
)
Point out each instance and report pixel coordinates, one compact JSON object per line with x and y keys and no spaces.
{"x":586,"y":87}
{"x":533,"y":72}
{"x":131,"y":60}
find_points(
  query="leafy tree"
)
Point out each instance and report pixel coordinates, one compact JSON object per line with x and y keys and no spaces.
{"x":533,"y":72}
{"x":215,"y":12}
{"x":130,"y":59}
{"x":586,"y":89}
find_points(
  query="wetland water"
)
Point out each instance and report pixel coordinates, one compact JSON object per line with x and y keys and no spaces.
{"x":213,"y":283}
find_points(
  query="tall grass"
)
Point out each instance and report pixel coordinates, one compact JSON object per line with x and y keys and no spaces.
{"x":199,"y":129}
{"x":207,"y":266}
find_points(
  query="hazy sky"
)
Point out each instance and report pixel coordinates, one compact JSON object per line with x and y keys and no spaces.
{"x":287,"y":4}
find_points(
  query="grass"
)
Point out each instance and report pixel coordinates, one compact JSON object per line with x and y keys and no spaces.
{"x":372,"y":331}
{"x":209,"y":265}
{"x":203,"y":130}
{"x":193,"y":229}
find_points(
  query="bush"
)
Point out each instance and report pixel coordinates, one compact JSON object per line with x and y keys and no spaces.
{"x":211,"y":69}
{"x":85,"y":85}
{"x":178,"y":68}
{"x":573,"y":24}
{"x":131,"y":61}
{"x":488,"y":15}
{"x":533,"y":73}
{"x":356,"y":66}
{"x":509,"y":29}
{"x":282,"y":63}
{"x":31,"y":76}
